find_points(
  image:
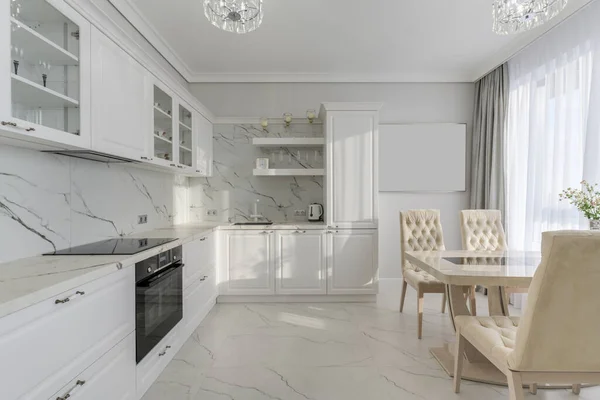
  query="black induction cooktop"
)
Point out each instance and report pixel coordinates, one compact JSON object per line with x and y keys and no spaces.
{"x":112,"y":246}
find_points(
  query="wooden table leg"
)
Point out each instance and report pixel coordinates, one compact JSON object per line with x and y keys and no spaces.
{"x":458,"y":296}
{"x":497,"y":303}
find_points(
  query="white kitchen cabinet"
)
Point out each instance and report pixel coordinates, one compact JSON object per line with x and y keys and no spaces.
{"x":111,"y":377}
{"x":203,"y":148}
{"x":351,"y":132}
{"x":119,"y":95}
{"x":199,"y":298}
{"x":352,"y":261}
{"x":157,"y":359}
{"x":248,"y":263}
{"x":46,"y":345}
{"x":198,"y":256}
{"x":185,"y":137}
{"x":45,"y":73}
{"x":300,"y":262}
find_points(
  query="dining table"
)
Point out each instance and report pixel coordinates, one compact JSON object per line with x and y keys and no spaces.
{"x":459,"y":271}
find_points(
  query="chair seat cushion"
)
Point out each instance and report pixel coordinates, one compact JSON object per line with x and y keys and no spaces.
{"x":492,"y":336}
{"x":417,"y":278}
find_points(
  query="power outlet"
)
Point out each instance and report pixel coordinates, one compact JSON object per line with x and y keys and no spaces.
{"x":142,"y":219}
{"x":300,"y":213}
{"x":211,"y":213}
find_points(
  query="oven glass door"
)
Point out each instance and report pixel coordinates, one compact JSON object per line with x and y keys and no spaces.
{"x":159,"y":307}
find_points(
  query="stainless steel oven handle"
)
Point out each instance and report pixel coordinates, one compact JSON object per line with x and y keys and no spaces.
{"x":68,"y":394}
{"x":162,"y":353}
{"x":67,"y":299}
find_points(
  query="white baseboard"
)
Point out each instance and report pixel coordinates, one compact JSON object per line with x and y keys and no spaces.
{"x":363,"y":298}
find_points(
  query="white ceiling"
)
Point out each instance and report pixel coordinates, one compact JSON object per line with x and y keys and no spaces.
{"x":334,"y":40}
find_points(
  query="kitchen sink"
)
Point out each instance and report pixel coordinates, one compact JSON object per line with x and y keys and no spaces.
{"x":254,"y":223}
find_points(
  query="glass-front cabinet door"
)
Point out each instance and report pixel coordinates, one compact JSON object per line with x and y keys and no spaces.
{"x":48,"y":70}
{"x":163,"y":137}
{"x":186,"y":142}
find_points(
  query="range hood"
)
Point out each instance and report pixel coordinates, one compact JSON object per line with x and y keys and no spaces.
{"x":91,"y":155}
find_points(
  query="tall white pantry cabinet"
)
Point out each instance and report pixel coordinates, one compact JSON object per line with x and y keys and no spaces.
{"x":351,"y":196}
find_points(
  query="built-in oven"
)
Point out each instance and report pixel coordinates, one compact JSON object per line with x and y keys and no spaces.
{"x":159,"y":299}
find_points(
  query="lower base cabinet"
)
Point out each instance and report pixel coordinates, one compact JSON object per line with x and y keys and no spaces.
{"x":111,"y":377}
{"x":299,"y":262}
{"x":352,"y":261}
{"x":199,"y":299}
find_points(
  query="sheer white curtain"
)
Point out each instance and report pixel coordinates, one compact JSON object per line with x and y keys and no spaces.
{"x":553,"y":128}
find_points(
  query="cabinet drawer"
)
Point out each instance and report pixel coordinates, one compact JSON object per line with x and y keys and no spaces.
{"x":197,"y":256}
{"x":157,"y":359}
{"x":111,"y":377}
{"x":196,"y":299}
{"x":46,"y":345}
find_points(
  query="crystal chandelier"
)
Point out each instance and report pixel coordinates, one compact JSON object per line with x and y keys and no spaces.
{"x":515,"y":16}
{"x":239,"y":16}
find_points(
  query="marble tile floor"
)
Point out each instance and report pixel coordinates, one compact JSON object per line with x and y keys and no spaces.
{"x":322,"y":352}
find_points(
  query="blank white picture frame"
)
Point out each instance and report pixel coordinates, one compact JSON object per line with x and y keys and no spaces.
{"x":423,"y":157}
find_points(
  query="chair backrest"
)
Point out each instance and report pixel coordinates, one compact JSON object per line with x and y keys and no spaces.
{"x":560,"y":330}
{"x":420,"y":230}
{"x":482,"y":230}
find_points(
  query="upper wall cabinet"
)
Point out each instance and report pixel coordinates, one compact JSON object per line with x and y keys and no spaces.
{"x":119,"y":93}
{"x":45,"y":72}
{"x":351,"y":132}
{"x":203,"y":147}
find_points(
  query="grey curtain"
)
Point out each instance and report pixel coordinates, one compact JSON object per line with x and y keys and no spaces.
{"x":488,"y":178}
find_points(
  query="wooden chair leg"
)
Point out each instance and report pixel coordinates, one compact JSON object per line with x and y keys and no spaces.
{"x":533,"y":388}
{"x":444,"y":303}
{"x":459,"y":358}
{"x":403,"y":295}
{"x":576,"y":388}
{"x":473,"y":301}
{"x":515,"y":386}
{"x":420,"y":306}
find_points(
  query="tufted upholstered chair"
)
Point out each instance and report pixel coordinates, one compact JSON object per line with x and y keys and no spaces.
{"x":420,"y":230}
{"x":556,"y":340}
{"x":482,"y":230}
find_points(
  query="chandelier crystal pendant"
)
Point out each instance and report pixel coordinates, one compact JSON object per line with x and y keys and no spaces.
{"x":516,"y":16}
{"x":238,"y":16}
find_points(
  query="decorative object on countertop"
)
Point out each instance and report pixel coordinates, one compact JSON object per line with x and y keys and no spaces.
{"x":311,"y":115}
{"x":16,"y":65}
{"x":587,"y":200}
{"x":262,"y":163}
{"x":287,"y":118}
{"x":237,"y":16}
{"x":516,"y":16}
{"x":264,"y":122}
{"x":315,"y":212}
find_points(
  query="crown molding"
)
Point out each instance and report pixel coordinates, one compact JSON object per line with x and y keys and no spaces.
{"x":440,"y":77}
{"x":132,"y":13}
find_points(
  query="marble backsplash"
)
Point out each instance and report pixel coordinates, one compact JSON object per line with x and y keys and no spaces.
{"x":52,"y":202}
{"x":234,"y":189}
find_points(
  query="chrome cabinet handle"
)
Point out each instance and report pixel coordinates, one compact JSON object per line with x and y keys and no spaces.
{"x":180,"y":166}
{"x":162,"y":353}
{"x":298,"y":231}
{"x":145,"y":158}
{"x":7,"y":123}
{"x":203,"y":239}
{"x":172,"y":165}
{"x":67,"y":299}
{"x":68,"y":394}
{"x":203,"y":278}
{"x":264,"y":233}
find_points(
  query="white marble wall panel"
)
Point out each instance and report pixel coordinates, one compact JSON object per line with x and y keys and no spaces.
{"x":233,"y":189}
{"x":51,"y":202}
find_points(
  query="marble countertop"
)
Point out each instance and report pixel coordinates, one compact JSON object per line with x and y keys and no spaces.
{"x":30,"y":280}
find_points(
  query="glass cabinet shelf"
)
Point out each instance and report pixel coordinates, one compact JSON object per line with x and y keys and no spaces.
{"x":45,"y":81}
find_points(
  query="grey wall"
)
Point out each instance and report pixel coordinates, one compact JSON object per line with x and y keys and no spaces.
{"x":404,"y":103}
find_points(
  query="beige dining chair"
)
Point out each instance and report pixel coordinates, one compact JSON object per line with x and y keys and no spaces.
{"x":556,"y":340}
{"x":420,"y":230}
{"x":482,"y":230}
